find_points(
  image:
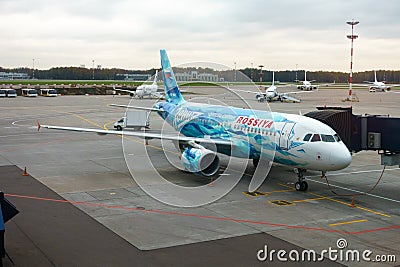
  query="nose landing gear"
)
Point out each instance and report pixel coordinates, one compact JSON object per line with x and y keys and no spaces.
{"x":301,"y":184}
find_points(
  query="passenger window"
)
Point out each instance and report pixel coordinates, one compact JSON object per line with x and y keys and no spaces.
{"x":307,"y":137}
{"x":315,"y":138}
{"x":327,"y":138}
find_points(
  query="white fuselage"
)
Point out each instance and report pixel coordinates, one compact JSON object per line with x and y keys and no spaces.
{"x":255,"y":131}
{"x":381,"y":86}
{"x":271,"y":92}
{"x":306,"y":85}
{"x":146,"y":90}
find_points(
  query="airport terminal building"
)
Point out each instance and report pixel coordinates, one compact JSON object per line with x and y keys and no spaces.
{"x":13,"y":76}
{"x":196,"y":76}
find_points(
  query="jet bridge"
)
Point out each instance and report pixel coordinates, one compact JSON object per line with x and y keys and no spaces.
{"x":364,"y":132}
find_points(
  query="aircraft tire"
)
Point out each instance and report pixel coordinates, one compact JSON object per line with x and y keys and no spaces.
{"x":304,"y":185}
{"x":301,"y":186}
{"x":297,"y":185}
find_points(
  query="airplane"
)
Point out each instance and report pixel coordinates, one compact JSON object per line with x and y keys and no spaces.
{"x":306,"y":85}
{"x":144,"y":90}
{"x":375,"y":85}
{"x":272,"y":94}
{"x":266,"y":137}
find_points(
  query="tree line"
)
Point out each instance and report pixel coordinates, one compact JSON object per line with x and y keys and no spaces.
{"x":80,"y":73}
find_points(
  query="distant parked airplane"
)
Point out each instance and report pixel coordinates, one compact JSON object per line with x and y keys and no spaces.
{"x":375,"y":85}
{"x":272,"y":94}
{"x":307,"y":85}
{"x":144,"y":90}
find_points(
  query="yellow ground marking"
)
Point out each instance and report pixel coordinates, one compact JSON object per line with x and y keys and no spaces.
{"x":345,"y":203}
{"x":349,"y":222}
{"x":279,"y":191}
{"x":282,"y":202}
{"x":88,"y":121}
{"x":357,"y":206}
{"x":105,"y":124}
{"x":253,"y":194}
{"x":309,"y":199}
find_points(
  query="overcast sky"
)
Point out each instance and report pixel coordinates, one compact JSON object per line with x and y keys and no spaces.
{"x":129,"y":33}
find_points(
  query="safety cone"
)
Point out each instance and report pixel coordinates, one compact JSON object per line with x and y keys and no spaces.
{"x":211,"y":184}
{"x":352,"y":202}
{"x":25,"y":173}
{"x":147,"y":142}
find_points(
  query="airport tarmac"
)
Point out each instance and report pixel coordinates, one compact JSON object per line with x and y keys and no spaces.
{"x":90,"y":171}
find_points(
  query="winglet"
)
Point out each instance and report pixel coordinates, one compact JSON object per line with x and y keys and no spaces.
{"x":38,"y":125}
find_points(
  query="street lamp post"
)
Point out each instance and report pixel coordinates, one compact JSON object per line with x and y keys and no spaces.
{"x":251,"y":72}
{"x":93,"y":69}
{"x":235,"y":70}
{"x":352,"y":37}
{"x":261,"y":74}
{"x":33,"y":69}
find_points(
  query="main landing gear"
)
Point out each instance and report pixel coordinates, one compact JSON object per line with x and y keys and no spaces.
{"x":301,"y":184}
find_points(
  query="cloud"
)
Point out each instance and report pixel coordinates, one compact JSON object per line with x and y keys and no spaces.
{"x":128,"y":34}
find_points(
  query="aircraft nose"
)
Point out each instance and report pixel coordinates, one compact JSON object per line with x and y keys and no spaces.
{"x":341,"y":158}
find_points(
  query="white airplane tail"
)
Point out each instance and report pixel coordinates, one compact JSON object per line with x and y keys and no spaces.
{"x":273,"y":78}
{"x":155,"y":78}
{"x":375,"y":76}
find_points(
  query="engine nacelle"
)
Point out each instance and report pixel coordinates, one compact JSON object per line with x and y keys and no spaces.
{"x":132,"y":94}
{"x":200,"y":161}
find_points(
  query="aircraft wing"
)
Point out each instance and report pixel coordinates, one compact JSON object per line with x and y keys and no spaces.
{"x":296,"y":92}
{"x":362,"y":84}
{"x":144,"y":135}
{"x":123,"y":90}
{"x":287,"y":98}
{"x":262,"y":91}
{"x":157,"y":94}
{"x":136,"y":107}
{"x":325,"y":84}
{"x":245,"y":91}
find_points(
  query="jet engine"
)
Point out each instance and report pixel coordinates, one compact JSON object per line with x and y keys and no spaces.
{"x":200,"y":160}
{"x":132,"y":94}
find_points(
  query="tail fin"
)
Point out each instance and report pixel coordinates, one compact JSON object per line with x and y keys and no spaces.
{"x":172,"y":93}
{"x":273,"y":78}
{"x":305,"y":75}
{"x":375,"y":76}
{"x":155,"y":78}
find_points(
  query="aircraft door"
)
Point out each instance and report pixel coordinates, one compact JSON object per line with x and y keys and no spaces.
{"x":285,"y":135}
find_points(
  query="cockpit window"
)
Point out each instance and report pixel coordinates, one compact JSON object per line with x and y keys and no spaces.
{"x":327,"y":138}
{"x":337,"y":138}
{"x":307,"y":137}
{"x":315,"y":138}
